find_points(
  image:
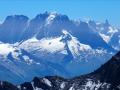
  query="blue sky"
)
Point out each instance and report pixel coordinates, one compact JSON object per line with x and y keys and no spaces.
{"x":98,"y":10}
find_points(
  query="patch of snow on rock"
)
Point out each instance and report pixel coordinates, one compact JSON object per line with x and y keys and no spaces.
{"x":50,"y":18}
{"x":62,"y":85}
{"x":105,"y":37}
{"x":46,"y":81}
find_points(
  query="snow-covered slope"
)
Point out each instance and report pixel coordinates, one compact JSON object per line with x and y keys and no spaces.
{"x":5,"y":49}
{"x":56,"y":44}
{"x":22,"y":66}
{"x":68,"y":52}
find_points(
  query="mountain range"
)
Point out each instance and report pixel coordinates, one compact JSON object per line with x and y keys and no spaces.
{"x":51,"y":44}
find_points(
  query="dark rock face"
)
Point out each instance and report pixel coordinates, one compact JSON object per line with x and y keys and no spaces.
{"x":107,"y":77}
{"x":110,"y":72}
{"x":7,"y":86}
{"x":13,"y":28}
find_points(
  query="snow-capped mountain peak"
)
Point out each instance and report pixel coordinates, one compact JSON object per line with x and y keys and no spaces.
{"x":66,"y":36}
{"x":73,"y":44}
{"x":56,"y":44}
{"x":65,"y":32}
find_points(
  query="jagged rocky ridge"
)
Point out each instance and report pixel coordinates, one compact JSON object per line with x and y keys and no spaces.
{"x":21,"y":28}
{"x":104,"y":78}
